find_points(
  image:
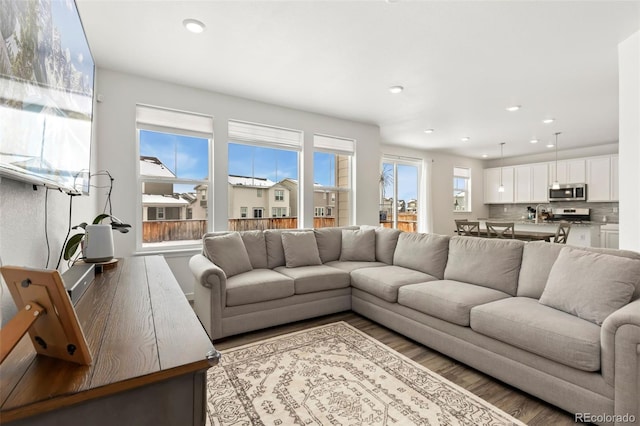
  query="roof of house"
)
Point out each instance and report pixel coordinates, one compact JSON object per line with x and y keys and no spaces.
{"x":250,"y":181}
{"x":163,"y":200}
{"x":152,"y":166}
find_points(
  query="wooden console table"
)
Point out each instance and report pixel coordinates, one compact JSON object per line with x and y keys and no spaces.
{"x":149,"y":358}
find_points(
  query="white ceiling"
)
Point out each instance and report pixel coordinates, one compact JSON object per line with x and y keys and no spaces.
{"x":461,"y":63}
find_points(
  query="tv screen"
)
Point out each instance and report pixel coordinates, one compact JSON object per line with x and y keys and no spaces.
{"x":46,"y":94}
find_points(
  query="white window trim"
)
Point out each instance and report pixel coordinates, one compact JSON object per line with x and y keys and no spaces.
{"x":406,"y":161}
{"x":468,"y":190}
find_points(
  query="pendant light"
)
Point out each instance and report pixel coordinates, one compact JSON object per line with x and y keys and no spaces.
{"x":556,"y":184}
{"x":501,"y":187}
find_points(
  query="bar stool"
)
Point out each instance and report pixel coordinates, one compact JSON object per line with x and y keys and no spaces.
{"x":468,"y":228}
{"x":500,"y":229}
{"x":562,"y":234}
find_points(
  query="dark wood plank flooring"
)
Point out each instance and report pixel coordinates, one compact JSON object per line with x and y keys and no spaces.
{"x":524,"y":407}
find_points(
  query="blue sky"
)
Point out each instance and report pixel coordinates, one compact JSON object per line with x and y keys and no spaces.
{"x":189,"y":156}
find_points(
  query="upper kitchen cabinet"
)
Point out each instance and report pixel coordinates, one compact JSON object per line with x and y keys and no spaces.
{"x":492,"y":179}
{"x":531,"y":183}
{"x":602,"y":178}
{"x":569,"y":171}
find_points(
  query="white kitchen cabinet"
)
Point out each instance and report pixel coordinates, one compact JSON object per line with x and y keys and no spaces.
{"x":569,"y":171}
{"x":599,"y":179}
{"x":531,"y":183}
{"x":615,"y":178}
{"x":609,"y":235}
{"x":492,"y":179}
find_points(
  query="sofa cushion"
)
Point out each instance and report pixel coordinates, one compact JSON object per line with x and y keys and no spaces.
{"x":384,"y":282}
{"x":330,"y":242}
{"x":448,"y":300}
{"x":258,"y":285}
{"x":590,"y":285}
{"x":228,"y":252}
{"x":386,"y":241}
{"x":538,"y":258}
{"x":309,"y":279}
{"x":423,"y":252}
{"x":256,"y":248}
{"x":524,"y":323}
{"x":275,"y":251}
{"x":350,"y":266}
{"x":358,"y":245}
{"x":300,"y":249}
{"x":492,"y":263}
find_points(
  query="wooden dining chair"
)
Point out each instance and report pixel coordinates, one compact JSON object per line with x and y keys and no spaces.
{"x":468,"y":228}
{"x":562,"y":234}
{"x":500,"y":229}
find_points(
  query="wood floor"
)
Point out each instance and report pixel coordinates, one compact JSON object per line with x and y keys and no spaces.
{"x":520,"y":405}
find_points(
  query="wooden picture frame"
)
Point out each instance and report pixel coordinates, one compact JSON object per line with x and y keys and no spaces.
{"x":46,"y":312}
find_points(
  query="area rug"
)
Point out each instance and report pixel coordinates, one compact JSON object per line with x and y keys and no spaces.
{"x":336,"y":375}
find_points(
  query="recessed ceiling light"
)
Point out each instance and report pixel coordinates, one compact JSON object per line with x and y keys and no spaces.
{"x":465,"y":139}
{"x":428,"y":131}
{"x":193,"y":25}
{"x":534,"y":141}
{"x":550,"y":145}
{"x":548,"y":120}
{"x":513,"y":108}
{"x":485,"y":155}
{"x":396,"y":89}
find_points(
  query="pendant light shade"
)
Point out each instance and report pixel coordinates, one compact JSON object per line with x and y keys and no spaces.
{"x":556,"y":183}
{"x":501,"y":187}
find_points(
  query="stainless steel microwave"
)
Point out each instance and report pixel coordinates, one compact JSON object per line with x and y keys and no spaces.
{"x":569,"y":192}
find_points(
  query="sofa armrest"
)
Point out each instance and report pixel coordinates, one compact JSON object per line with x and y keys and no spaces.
{"x":620,"y":340}
{"x":210,"y":293}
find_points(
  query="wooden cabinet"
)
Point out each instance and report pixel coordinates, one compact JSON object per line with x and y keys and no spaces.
{"x":492,"y":179}
{"x":602,"y":178}
{"x":569,"y":171}
{"x":531,"y":183}
{"x":149,"y":358}
{"x":609,"y":235}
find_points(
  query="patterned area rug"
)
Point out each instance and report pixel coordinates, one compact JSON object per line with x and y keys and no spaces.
{"x":336,"y":375}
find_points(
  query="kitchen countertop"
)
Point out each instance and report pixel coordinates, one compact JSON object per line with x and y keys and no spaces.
{"x":531,"y":222}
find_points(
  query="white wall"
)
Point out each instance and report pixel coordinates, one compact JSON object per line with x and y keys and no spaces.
{"x":629,"y":101}
{"x":441,"y":187}
{"x":117,"y":147}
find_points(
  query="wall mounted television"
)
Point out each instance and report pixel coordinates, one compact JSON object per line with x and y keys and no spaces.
{"x":46,"y":94}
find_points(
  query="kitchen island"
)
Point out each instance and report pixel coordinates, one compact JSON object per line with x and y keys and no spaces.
{"x":584,"y":234}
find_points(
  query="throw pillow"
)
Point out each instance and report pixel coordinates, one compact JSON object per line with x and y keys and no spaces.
{"x":300,"y":249}
{"x":358,"y":245}
{"x":590,"y":286}
{"x":228,"y":252}
{"x":423,"y":252}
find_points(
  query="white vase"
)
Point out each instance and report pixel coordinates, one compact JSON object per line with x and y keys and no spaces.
{"x":98,"y":243}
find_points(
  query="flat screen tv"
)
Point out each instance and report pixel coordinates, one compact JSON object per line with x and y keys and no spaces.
{"x":46,"y":94}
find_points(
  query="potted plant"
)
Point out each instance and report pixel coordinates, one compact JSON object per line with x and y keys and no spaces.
{"x":96,"y":239}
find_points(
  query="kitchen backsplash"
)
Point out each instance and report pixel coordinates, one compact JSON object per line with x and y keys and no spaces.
{"x":598,"y":210}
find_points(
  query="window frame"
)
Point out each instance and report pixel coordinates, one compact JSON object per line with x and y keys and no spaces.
{"x":396,"y":161}
{"x":142,"y":247}
{"x":466,"y":190}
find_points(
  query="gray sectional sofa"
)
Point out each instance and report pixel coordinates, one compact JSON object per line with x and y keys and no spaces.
{"x":561,"y":323}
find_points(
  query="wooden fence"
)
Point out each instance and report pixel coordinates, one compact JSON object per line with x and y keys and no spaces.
{"x":406,"y":222}
{"x":156,"y":231}
{"x":276,"y":223}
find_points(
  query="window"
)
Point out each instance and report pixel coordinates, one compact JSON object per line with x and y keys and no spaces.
{"x":461,"y":189}
{"x":173,"y":176}
{"x":243,"y":212}
{"x":279,"y":211}
{"x":261,"y":157}
{"x":332,"y":169}
{"x":399,"y":183}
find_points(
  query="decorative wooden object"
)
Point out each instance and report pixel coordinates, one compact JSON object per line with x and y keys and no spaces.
{"x":46,"y":313}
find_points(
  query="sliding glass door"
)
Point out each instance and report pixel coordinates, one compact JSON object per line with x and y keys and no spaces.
{"x":399,"y":203}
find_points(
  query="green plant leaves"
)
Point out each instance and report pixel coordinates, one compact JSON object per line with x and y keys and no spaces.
{"x":99,"y":218}
{"x":72,"y":246}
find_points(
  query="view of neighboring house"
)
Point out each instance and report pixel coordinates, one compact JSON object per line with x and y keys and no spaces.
{"x":159,"y":202}
{"x":324,"y":202}
{"x":252,"y":197}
